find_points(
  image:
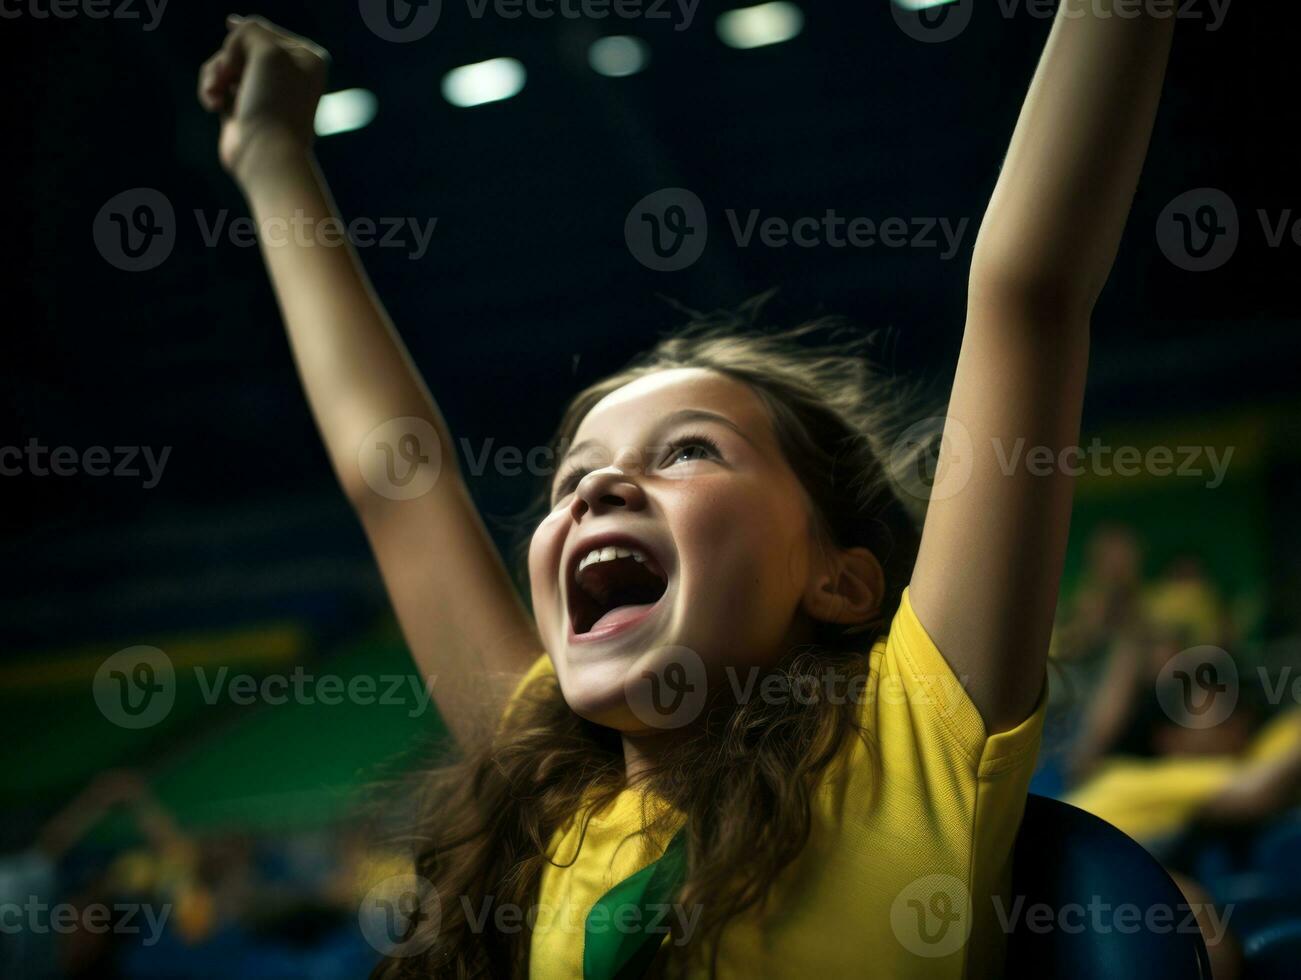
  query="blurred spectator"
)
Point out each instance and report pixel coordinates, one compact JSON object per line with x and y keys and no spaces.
{"x":1106,"y":605}
{"x":30,"y":880}
{"x":1130,"y":632}
{"x":1142,"y":761}
{"x":1204,"y":778}
{"x":164,"y":871}
{"x":1186,"y":602}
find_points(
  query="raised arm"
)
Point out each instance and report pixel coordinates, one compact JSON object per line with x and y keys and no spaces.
{"x":1111,"y":704}
{"x":986,"y":580}
{"x":1263,"y":788}
{"x":469,"y":633}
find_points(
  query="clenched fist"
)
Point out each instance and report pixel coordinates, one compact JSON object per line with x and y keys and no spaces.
{"x":264,"y":83}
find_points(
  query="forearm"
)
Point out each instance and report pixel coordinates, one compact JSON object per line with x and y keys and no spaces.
{"x":1111,"y":704}
{"x":353,"y":365}
{"x":76,"y":818}
{"x":1263,"y":789}
{"x":1058,"y":209}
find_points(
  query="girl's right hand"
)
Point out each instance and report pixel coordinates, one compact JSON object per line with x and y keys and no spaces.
{"x":264,"y":83}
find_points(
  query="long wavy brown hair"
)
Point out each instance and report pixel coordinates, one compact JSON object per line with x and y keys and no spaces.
{"x":745,"y":779}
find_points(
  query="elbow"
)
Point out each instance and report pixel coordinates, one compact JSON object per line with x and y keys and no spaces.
{"x":399,"y":460}
{"x":1029,"y":292}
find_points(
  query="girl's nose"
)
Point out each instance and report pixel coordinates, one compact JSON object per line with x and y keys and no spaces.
{"x":604,"y":489}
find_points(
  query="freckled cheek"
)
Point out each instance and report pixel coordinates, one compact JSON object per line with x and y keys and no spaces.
{"x":726,"y":542}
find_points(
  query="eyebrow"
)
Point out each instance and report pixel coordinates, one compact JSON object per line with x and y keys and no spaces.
{"x":670,"y":420}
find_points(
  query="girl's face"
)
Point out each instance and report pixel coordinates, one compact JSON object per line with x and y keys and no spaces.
{"x":681,"y":474}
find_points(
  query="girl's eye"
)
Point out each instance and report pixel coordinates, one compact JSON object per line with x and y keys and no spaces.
{"x":685,"y":449}
{"x":567,"y":485}
{"x":690,"y":448}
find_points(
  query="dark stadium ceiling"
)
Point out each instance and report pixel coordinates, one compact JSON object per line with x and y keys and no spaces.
{"x":527,"y":287}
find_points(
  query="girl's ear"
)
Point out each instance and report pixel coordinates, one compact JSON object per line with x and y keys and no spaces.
{"x":846,"y":588}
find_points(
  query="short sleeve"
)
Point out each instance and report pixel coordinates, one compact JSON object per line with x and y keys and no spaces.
{"x":949,"y":797}
{"x":917,"y":692}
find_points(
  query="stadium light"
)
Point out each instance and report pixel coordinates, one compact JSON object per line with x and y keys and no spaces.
{"x":754,"y":27}
{"x":483,"y":81}
{"x":618,"y":55}
{"x":344,"y":111}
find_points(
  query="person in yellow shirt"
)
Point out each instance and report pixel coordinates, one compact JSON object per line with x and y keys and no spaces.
{"x":922,"y":775}
{"x":794,"y":640}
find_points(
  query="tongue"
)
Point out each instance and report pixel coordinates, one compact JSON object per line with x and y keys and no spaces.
{"x":620,"y":614}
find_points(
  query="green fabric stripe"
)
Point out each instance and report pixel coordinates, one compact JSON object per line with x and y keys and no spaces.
{"x":612,"y":954}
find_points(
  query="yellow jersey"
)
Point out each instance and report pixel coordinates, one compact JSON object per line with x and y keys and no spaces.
{"x":907,"y":863}
{"x":1152,"y":798}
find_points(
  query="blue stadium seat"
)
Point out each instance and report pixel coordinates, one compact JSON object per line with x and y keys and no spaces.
{"x":1067,"y":859}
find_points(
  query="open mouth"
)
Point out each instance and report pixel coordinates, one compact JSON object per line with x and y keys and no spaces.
{"x":611,"y":584}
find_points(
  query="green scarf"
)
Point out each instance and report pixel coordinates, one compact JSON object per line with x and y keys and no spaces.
{"x":610,"y":953}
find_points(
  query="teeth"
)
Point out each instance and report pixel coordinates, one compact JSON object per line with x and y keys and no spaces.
{"x":608,"y":554}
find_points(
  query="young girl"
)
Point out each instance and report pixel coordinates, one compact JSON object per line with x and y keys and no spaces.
{"x":776,"y":730}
